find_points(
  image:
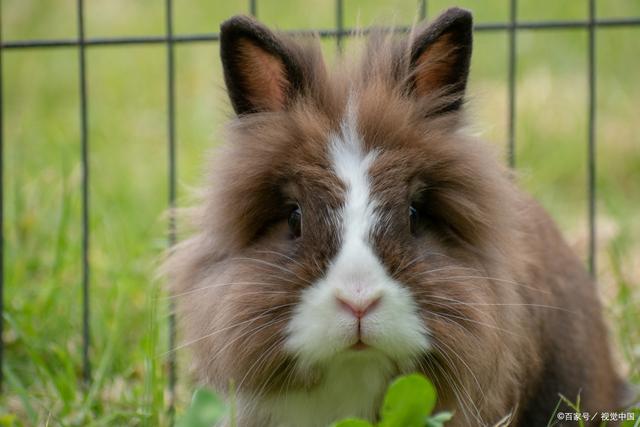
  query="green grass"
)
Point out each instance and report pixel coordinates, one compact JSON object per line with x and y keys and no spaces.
{"x":128,"y":158}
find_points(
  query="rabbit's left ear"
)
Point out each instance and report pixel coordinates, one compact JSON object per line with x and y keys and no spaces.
{"x":441,"y":54}
{"x":262,"y":72}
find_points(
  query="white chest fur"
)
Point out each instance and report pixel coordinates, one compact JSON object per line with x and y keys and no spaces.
{"x":352,"y":386}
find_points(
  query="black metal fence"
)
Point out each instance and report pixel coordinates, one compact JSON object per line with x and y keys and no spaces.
{"x":169,"y":39}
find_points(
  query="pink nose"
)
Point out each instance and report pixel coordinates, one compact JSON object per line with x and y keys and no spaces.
{"x":358,"y":309}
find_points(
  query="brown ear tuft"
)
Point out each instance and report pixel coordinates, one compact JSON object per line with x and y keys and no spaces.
{"x":441,"y":54}
{"x":260,"y":70}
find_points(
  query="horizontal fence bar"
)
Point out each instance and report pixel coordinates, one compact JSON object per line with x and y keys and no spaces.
{"x":111,"y":41}
{"x":326,"y":33}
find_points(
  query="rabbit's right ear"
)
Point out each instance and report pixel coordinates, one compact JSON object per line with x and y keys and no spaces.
{"x":261,"y":71}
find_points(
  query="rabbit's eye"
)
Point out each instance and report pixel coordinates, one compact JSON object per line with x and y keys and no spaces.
{"x":413,"y":219}
{"x":295,"y":222}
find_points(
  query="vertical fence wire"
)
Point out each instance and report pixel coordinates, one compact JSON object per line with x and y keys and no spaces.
{"x":591,"y":153}
{"x":422,"y":10}
{"x":84,"y":141}
{"x":171,"y":148}
{"x":339,"y":24}
{"x":253,"y":7}
{"x":1,"y":214}
{"x":511,"y":138}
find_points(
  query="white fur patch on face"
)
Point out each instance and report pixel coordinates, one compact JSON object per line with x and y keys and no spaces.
{"x":322,"y":332}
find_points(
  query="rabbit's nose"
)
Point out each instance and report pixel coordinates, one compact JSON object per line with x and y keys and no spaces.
{"x":360,"y":307}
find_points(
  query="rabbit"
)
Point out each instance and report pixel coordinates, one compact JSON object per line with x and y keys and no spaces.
{"x":351,"y":231}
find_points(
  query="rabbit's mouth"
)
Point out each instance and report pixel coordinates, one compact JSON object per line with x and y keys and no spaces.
{"x":356,"y":308}
{"x":359,"y":346}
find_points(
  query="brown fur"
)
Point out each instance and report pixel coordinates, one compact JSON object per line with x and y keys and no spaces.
{"x":513,"y":315}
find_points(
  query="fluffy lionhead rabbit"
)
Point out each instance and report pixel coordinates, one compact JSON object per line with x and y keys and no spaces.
{"x":352,"y":232}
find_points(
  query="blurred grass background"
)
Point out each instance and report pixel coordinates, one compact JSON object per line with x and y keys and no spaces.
{"x":128,"y":188}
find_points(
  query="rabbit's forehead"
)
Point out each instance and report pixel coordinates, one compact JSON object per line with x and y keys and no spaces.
{"x":365,"y":169}
{"x":351,"y":163}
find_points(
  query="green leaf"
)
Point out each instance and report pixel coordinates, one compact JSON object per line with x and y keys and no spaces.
{"x":205,"y":410}
{"x":439,"y":419}
{"x":352,"y":422}
{"x":408,"y":402}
